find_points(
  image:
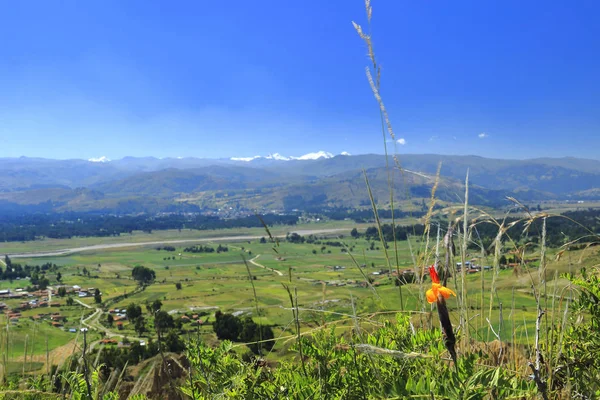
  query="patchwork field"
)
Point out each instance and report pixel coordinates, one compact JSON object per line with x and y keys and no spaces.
{"x":220,"y":281}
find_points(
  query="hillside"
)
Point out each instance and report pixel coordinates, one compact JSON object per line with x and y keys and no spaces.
{"x":276,"y":182}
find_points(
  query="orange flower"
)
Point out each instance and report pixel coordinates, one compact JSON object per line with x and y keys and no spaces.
{"x":436,"y":288}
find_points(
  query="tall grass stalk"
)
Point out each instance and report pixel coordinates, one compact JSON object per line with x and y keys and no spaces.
{"x":542,"y":281}
{"x":426,"y":234}
{"x":551,"y":348}
{"x":496,"y":270}
{"x":464,"y":297}
{"x":296,"y":319}
{"x":481,"y":275}
{"x":513,"y":335}
{"x":378,"y":223}
{"x":250,"y":277}
{"x":386,"y":125}
{"x":299,"y":339}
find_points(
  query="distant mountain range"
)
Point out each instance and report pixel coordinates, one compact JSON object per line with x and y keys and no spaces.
{"x":276,"y":182}
{"x":274,"y":156}
{"x":279,"y":157}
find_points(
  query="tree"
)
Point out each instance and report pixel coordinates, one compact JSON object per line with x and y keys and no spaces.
{"x":227,"y":326}
{"x":58,"y":277}
{"x":70,"y":301}
{"x":174,"y":343}
{"x":62,"y":291}
{"x":267,"y":334}
{"x":154,"y":307}
{"x":110,"y":319}
{"x":295,"y":238}
{"x":85,"y":271}
{"x":133,"y":311}
{"x":502,"y":259}
{"x":354,"y":233}
{"x":97,"y":296}
{"x":140,"y":325}
{"x":163,"y":321}
{"x":178,"y":286}
{"x":7,"y":261}
{"x":144,"y":276}
{"x":263,"y":240}
{"x":251,"y":332}
{"x":43,"y":283}
{"x":314,"y":251}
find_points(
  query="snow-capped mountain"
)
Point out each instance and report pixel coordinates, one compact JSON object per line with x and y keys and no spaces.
{"x":278,"y":157}
{"x":245,"y":158}
{"x":314,"y":156}
{"x":102,"y":159}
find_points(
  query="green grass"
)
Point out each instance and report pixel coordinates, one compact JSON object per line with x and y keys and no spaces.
{"x":220,"y":280}
{"x":35,"y":334}
{"x":174,"y":234}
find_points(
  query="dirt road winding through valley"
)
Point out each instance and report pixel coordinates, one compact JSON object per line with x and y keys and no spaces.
{"x":253,"y":262}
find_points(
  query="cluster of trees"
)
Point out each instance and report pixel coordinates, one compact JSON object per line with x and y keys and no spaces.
{"x":294,"y":238}
{"x":26,"y":227}
{"x":310,"y":239}
{"x":245,"y":330}
{"x":167,"y":329}
{"x":206,"y":249}
{"x":35,"y":273}
{"x":166,"y":248}
{"x":401,"y":232}
{"x":164,"y":324}
{"x":143,"y":275}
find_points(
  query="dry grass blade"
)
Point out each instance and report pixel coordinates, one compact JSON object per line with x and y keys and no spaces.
{"x":377,"y":220}
{"x":272,"y":239}
{"x":432,"y":199}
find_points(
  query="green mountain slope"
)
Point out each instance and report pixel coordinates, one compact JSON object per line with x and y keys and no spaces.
{"x":143,"y":185}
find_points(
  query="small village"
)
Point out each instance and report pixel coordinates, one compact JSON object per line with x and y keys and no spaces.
{"x":40,"y":300}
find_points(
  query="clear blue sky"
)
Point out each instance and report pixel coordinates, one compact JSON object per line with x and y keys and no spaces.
{"x":82,"y":79}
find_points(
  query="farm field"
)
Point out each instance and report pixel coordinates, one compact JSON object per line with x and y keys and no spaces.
{"x":219,"y":281}
{"x":138,"y":237}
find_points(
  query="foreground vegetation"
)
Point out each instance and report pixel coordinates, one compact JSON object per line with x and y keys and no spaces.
{"x":327,"y":319}
{"x":463,"y":305}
